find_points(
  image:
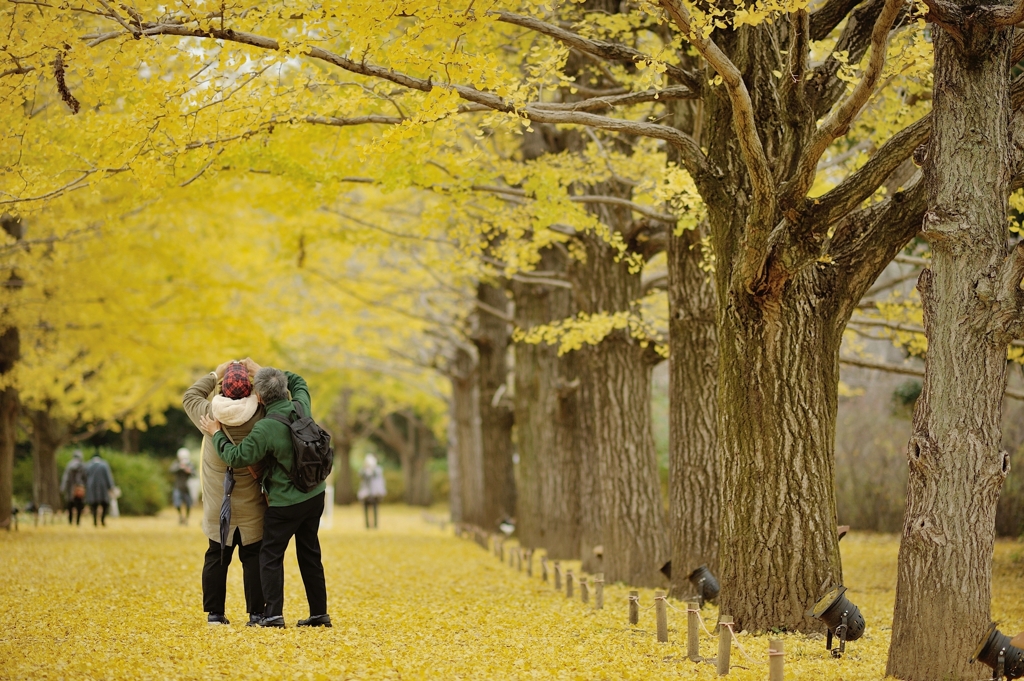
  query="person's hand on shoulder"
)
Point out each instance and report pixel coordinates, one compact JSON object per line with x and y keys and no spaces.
{"x":209,"y":425}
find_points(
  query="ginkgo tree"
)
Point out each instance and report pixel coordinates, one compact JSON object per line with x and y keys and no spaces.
{"x":790,"y":262}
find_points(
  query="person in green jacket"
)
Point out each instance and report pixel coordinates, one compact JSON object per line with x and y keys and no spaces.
{"x":291,"y":512}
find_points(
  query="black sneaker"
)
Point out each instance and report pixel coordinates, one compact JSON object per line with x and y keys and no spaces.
{"x":254,"y":619}
{"x":216,"y":618}
{"x":271,"y":622}
{"x":316,"y":621}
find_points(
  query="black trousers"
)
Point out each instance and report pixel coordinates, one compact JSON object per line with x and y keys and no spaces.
{"x":103,"y":506}
{"x":215,"y":575}
{"x":75,"y":506}
{"x":280,"y":524}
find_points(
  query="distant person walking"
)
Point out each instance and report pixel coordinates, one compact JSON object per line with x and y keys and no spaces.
{"x":98,"y":483}
{"x":72,"y":485}
{"x":291,"y":512}
{"x":371,"y":488}
{"x":181,"y":496}
{"x":226,"y":393}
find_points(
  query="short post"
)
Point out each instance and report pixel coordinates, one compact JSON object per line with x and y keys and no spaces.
{"x":519,"y":559}
{"x":558,"y":576}
{"x":599,"y":591}
{"x":512,"y":556}
{"x":584,"y":590}
{"x":529,"y":562}
{"x":693,"y":631}
{"x":661,"y":611}
{"x":544,"y":568}
{"x":724,"y":644}
{"x":501,"y":550}
{"x":775,"y":660}
{"x":634,"y":607}
{"x":568,"y":583}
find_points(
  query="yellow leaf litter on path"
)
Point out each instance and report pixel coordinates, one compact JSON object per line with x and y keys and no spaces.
{"x":408,"y":602}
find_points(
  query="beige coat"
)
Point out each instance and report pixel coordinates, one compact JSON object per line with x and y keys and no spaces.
{"x":247,"y":503}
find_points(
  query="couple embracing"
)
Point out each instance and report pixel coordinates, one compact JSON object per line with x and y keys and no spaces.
{"x":245,"y":410}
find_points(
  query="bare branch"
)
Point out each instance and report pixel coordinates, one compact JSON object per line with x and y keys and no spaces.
{"x":838,"y":122}
{"x":904,"y":370}
{"x":828,"y":16}
{"x":70,"y":186}
{"x":493,"y":311}
{"x":599,"y":48}
{"x":690,"y":151}
{"x":587,"y":198}
{"x":862,"y":183}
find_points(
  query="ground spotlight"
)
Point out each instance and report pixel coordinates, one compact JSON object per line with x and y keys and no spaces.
{"x":996,"y":651}
{"x":705,"y":584}
{"x":842,"y":618}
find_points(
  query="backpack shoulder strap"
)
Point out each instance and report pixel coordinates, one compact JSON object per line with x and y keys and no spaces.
{"x":299,"y":409}
{"x":280,"y":419}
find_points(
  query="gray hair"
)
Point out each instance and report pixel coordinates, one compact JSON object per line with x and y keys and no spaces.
{"x":271,"y":385}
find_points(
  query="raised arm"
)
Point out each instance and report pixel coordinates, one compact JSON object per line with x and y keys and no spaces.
{"x":300,"y":391}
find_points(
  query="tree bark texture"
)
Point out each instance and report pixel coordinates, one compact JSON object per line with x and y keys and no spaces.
{"x":48,"y":434}
{"x":491,"y":337}
{"x":467,"y":448}
{"x":781,"y":310}
{"x":546,"y":422}
{"x":956,"y":465}
{"x":621,"y":506}
{"x":693,"y":413}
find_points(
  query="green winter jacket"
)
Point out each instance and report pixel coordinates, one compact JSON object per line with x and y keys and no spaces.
{"x":274,"y":438}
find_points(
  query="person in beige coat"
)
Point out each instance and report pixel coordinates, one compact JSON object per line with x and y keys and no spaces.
{"x":222,"y":394}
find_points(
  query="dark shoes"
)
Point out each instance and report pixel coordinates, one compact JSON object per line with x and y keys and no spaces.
{"x":271,"y":622}
{"x":216,"y":618}
{"x":316,"y":621}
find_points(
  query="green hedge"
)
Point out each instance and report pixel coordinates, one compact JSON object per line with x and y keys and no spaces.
{"x":142,"y":479}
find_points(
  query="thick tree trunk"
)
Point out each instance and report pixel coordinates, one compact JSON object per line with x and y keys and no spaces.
{"x":546,"y":426}
{"x":454,"y":469}
{"x":491,"y":338}
{"x":343,"y":493}
{"x":956,"y":466}
{"x":417,"y":480}
{"x":9,"y":408}
{"x":466,"y":422}
{"x":778,"y":378}
{"x":621,"y":506}
{"x":48,"y":435}
{"x":693,"y":413}
{"x":344,"y":439}
{"x":130,"y":440}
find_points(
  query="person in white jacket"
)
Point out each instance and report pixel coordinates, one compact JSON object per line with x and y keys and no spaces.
{"x":371,"y":487}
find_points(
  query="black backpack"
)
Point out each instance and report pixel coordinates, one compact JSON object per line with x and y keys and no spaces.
{"x":311,"y":447}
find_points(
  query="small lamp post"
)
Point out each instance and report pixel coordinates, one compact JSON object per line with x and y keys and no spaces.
{"x":705,"y":583}
{"x":842,"y":618}
{"x":997,"y":652}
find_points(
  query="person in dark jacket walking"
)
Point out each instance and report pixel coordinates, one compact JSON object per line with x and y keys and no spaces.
{"x":98,"y":483}
{"x":291,"y":512}
{"x":72,"y":486}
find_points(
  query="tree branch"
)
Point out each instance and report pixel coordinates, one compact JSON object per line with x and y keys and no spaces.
{"x":690,"y":151}
{"x":764,"y":201}
{"x":862,"y":183}
{"x":906,"y":371}
{"x":838,"y":122}
{"x":609,"y":51}
{"x":828,"y":16}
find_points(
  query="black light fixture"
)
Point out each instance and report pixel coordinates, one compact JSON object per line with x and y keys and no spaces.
{"x":996,"y":651}
{"x":842,"y":618}
{"x":705,"y":583}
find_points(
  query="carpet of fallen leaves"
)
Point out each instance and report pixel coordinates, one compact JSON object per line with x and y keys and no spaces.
{"x":408,"y":602}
